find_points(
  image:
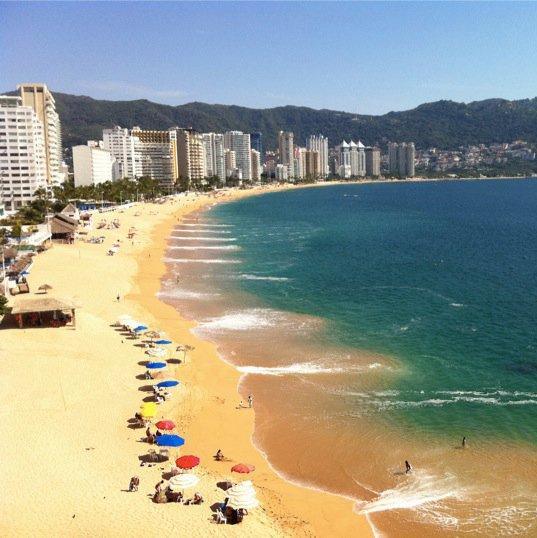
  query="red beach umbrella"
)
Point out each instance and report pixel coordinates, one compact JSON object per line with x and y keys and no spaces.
{"x":187,"y":462}
{"x":165,"y":425}
{"x":243,"y":468}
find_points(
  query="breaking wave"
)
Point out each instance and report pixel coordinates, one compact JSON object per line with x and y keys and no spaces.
{"x":245,"y":276}
{"x":202,"y":238}
{"x":200,"y":260}
{"x":307,"y":368}
{"x":186,"y":294}
{"x":206,"y":247}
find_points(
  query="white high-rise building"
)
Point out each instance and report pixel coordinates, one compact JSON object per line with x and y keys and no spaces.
{"x":351,"y":159}
{"x":39,"y":98}
{"x":256,"y":165}
{"x":126,"y":150}
{"x":299,"y":163}
{"x":92,"y":164}
{"x":319,"y":143}
{"x":214,"y":155}
{"x":23,"y":160}
{"x":239,"y":142}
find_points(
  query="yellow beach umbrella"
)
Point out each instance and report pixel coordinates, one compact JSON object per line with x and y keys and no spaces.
{"x":148,"y":409}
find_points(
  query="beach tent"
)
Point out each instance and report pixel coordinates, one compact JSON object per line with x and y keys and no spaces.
{"x":169,"y":440}
{"x":181,"y":482}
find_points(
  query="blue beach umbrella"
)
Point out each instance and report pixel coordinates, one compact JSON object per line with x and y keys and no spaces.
{"x":140,"y":328}
{"x":169,"y":440}
{"x":156,"y":365}
{"x":168,"y":383}
{"x":163,"y":342}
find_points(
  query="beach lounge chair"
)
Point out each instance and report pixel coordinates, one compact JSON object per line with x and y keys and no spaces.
{"x":219,"y":517}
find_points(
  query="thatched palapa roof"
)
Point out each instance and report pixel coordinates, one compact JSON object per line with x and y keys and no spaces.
{"x":42,"y":304}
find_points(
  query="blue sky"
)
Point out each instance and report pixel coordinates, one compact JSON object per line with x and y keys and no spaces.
{"x":360,"y":57}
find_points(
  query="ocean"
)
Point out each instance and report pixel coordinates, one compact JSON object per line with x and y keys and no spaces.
{"x":379,"y":323}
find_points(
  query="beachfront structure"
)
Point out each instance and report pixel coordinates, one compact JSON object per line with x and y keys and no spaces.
{"x":282,"y":172}
{"x":158,"y":151}
{"x":92,"y":164}
{"x":286,"y":150}
{"x":256,"y":165}
{"x":213,"y":145}
{"x":239,"y":142}
{"x":191,"y":155}
{"x":23,"y":156}
{"x":299,"y":163}
{"x":319,"y":143}
{"x":351,"y":159}
{"x":401,"y":159}
{"x":372,"y":162}
{"x":39,"y":98}
{"x":126,"y":151}
{"x":312,"y":164}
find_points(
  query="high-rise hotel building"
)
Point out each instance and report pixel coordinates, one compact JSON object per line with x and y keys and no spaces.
{"x":319,"y":143}
{"x":286,"y":150}
{"x":215,"y":165}
{"x":239,"y":142}
{"x":401,"y":159}
{"x":23,"y":155}
{"x":41,"y":101}
{"x":126,"y":150}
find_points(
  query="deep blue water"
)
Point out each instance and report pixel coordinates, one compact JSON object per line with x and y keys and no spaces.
{"x":441,"y":276}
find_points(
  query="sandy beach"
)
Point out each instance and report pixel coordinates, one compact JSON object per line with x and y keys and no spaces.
{"x":67,"y":396}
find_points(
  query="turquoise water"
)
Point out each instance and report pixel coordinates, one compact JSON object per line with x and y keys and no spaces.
{"x":439,"y":276}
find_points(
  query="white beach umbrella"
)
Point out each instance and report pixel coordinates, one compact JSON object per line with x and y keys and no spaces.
{"x":242,"y":495}
{"x":181,"y":482}
{"x":156,"y":352}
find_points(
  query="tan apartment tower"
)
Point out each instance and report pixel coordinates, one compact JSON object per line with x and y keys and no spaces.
{"x":159,"y":154}
{"x":38,"y":97}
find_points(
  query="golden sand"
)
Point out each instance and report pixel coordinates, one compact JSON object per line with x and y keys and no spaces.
{"x":66,"y":395}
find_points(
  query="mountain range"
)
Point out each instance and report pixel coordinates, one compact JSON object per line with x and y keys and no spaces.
{"x":443,"y":124}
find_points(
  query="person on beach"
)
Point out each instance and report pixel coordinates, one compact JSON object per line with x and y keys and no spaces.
{"x":219,"y":456}
{"x":159,"y":486}
{"x":408,"y":467}
{"x":464,"y":442}
{"x":148,"y":433}
{"x":250,"y":401}
{"x":134,"y":483}
{"x":117,"y":298}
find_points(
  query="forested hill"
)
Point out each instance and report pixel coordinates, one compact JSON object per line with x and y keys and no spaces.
{"x":443,"y":124}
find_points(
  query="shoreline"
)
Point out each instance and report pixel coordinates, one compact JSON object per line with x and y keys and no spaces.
{"x":312,"y":510}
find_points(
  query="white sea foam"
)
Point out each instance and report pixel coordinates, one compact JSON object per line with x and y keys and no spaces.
{"x":419,"y":489}
{"x":200,"y":260}
{"x":203,"y":225}
{"x":243,"y":320}
{"x":456,"y":305}
{"x":205,"y":247}
{"x":304,"y":368}
{"x":204,"y":231}
{"x":186,"y":294}
{"x":202,"y":238}
{"x":245,"y":276}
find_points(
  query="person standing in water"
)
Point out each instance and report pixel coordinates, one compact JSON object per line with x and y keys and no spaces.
{"x":250,"y":401}
{"x":408,"y":467}
{"x":464,"y":442}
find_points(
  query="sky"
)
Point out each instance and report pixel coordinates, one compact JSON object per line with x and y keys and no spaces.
{"x":360,"y":57}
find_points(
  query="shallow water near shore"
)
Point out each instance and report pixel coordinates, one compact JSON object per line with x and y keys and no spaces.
{"x":378,"y":323}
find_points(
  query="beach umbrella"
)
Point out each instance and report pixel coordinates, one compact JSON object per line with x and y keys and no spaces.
{"x":167,"y":384}
{"x":45,"y":287}
{"x":156,"y":365}
{"x":243,"y":468}
{"x":148,"y":409}
{"x":165,"y":425}
{"x":242,"y":495}
{"x":140,"y":328}
{"x":163,"y":342}
{"x":157,"y":352}
{"x":152,"y":335}
{"x":187,"y":462}
{"x":180,"y":482}
{"x":169,"y":440}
